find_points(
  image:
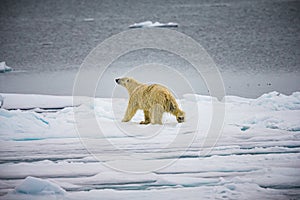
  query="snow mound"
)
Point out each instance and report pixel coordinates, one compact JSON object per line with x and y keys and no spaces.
{"x":4,"y":68}
{"x":150,"y":24}
{"x":37,"y":186}
{"x":22,"y":122}
{"x":276,"y":101}
{"x":290,"y":121}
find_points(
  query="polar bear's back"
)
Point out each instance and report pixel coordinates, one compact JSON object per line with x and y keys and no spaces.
{"x":148,"y":95}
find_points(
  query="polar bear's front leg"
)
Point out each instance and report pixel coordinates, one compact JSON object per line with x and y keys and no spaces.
{"x":130,"y":112}
{"x":147,"y":117}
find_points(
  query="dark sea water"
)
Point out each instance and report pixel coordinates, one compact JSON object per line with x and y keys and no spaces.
{"x":255,"y":43}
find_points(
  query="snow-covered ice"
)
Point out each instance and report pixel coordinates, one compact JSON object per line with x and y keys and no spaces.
{"x":150,"y":24}
{"x":31,"y":101}
{"x":257,"y":156}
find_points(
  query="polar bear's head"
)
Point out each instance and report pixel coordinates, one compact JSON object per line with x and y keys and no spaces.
{"x":180,"y":116}
{"x":124,"y":81}
{"x":129,"y":83}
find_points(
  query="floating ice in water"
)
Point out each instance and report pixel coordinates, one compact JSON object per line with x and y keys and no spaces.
{"x":4,"y":68}
{"x":88,"y":19}
{"x":149,"y":24}
{"x":37,"y":186}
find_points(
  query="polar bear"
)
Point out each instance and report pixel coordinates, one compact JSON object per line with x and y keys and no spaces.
{"x":153,"y":99}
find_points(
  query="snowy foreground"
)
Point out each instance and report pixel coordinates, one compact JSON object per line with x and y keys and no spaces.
{"x":257,"y":155}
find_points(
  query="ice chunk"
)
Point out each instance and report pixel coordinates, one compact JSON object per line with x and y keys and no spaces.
{"x":88,"y":19}
{"x":4,"y":68}
{"x":37,"y":186}
{"x":149,"y":24}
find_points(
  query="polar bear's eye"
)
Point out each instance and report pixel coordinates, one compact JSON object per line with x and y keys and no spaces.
{"x":127,"y":80}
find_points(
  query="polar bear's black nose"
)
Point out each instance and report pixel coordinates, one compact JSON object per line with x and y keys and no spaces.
{"x":117,"y":80}
{"x":180,"y":119}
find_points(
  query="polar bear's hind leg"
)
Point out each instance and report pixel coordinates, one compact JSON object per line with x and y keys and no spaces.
{"x":156,"y":112}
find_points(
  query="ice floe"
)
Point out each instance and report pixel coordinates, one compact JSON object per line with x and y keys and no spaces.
{"x":4,"y":68}
{"x":150,"y":24}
